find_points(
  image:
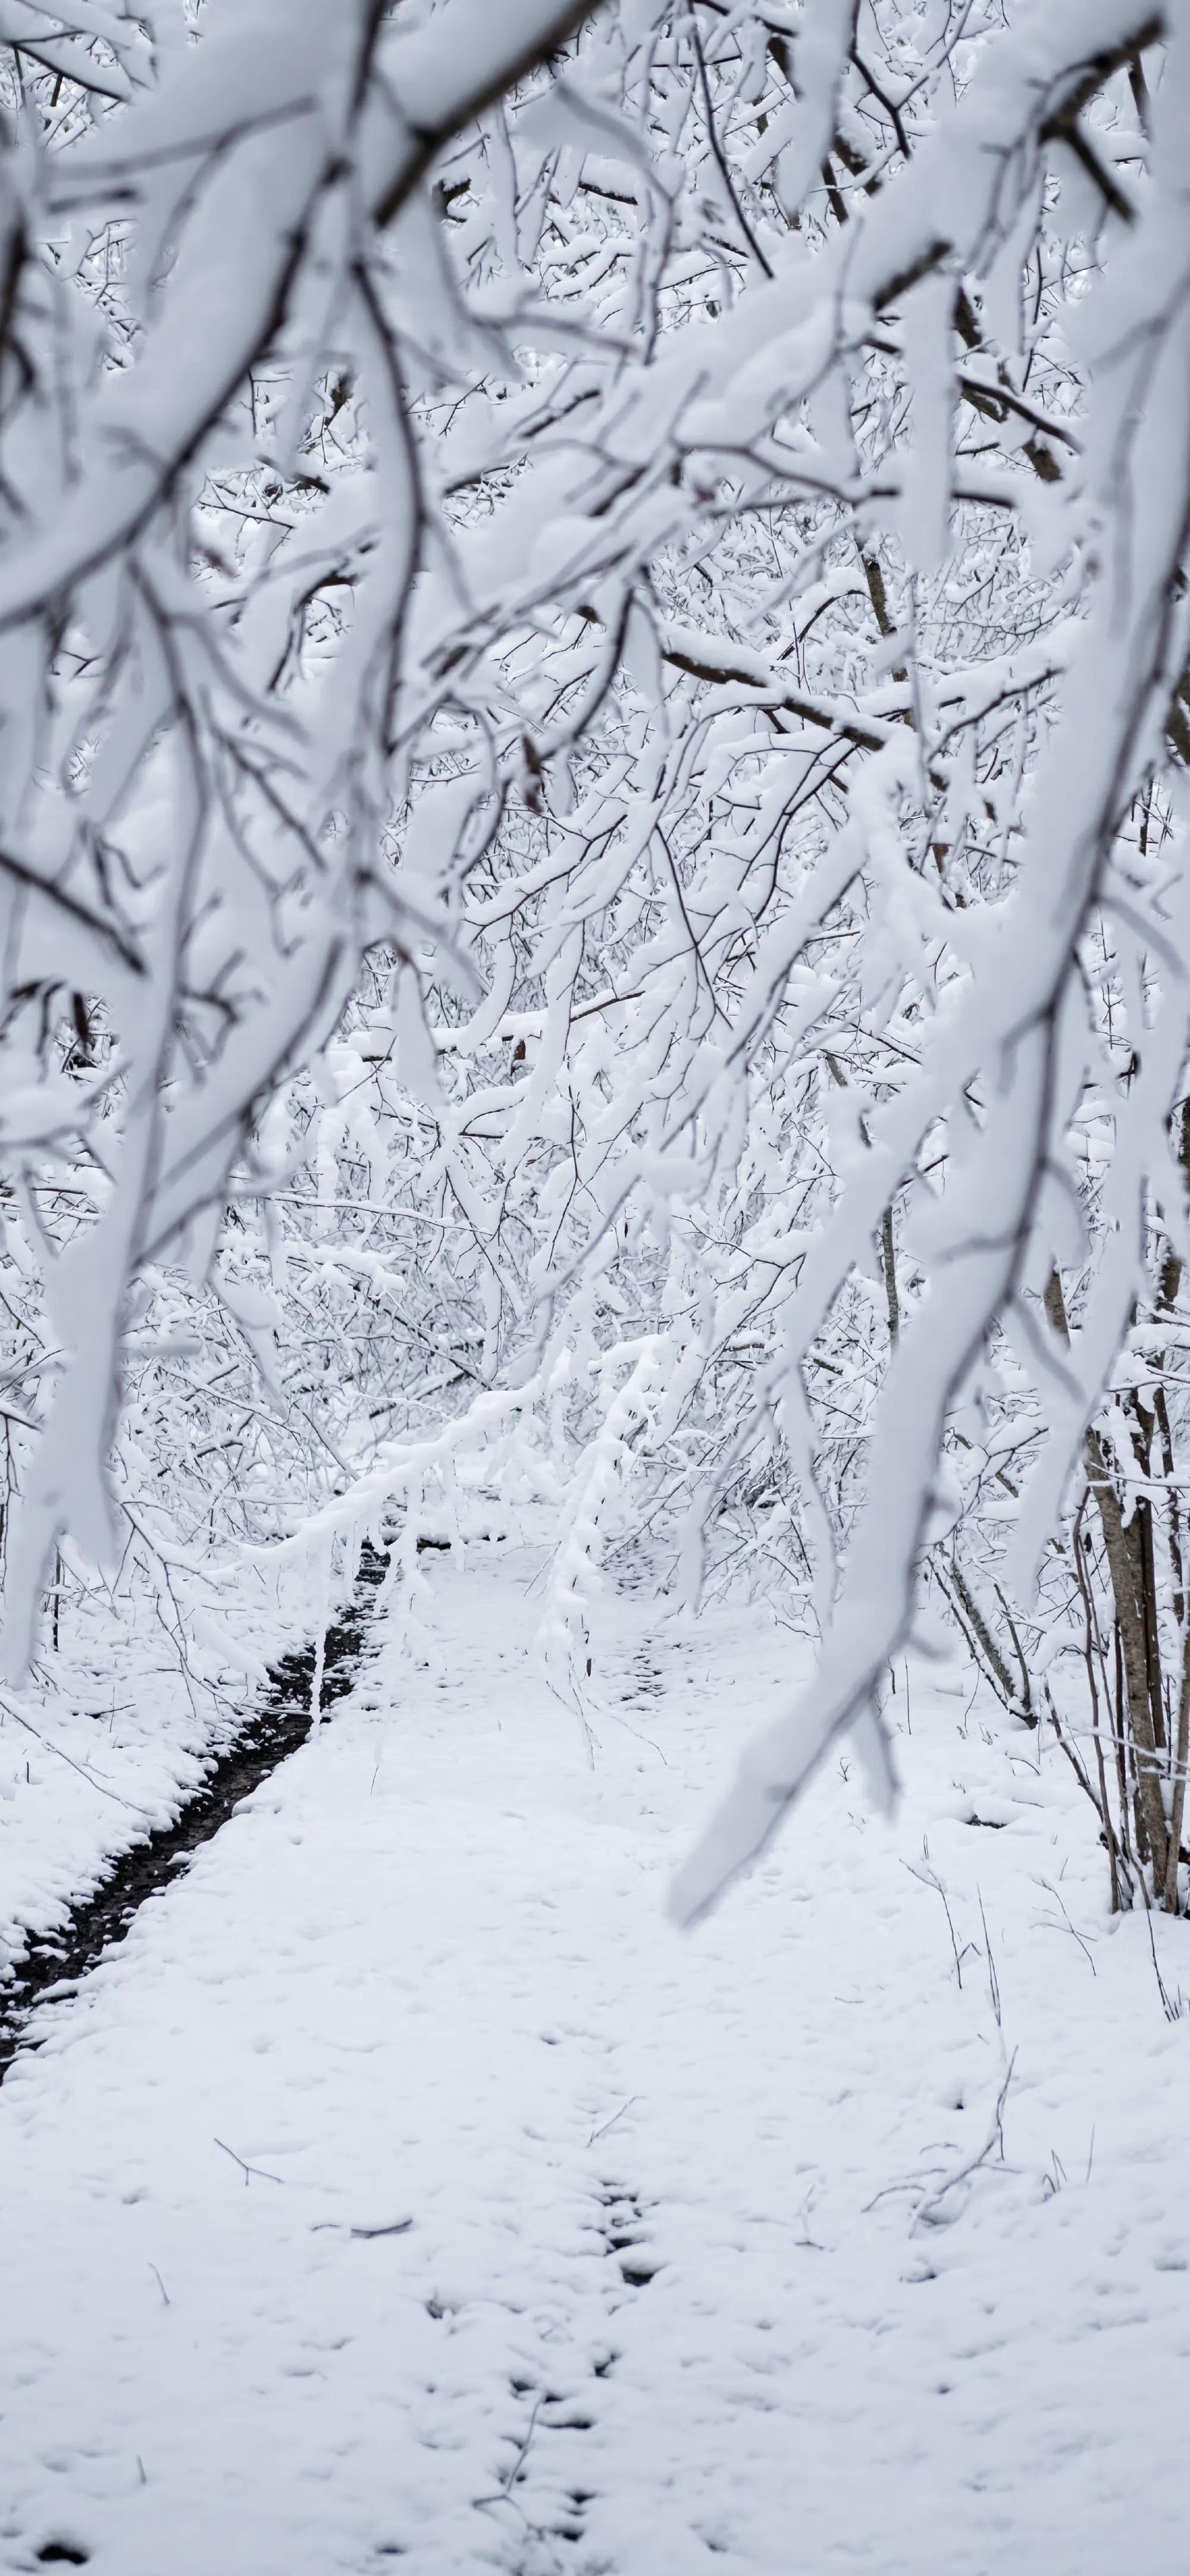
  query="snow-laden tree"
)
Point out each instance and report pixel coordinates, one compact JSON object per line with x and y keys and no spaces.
{"x":212,"y":221}
{"x":663,"y":528}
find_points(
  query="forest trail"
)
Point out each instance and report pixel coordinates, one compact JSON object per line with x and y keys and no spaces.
{"x":51,"y":1959}
{"x":406,"y":2192}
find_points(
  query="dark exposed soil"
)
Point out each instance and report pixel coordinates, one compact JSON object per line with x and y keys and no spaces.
{"x":277,"y":1726}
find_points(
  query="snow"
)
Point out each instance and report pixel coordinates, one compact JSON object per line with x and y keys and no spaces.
{"x":100,"y":1748}
{"x":567,"y":2241}
{"x":115,"y":1728}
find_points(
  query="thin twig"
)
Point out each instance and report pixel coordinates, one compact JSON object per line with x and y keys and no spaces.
{"x":246,"y":2169}
{"x":616,"y":2115}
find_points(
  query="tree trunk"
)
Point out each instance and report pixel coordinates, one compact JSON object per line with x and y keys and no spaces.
{"x":1125,"y":1547}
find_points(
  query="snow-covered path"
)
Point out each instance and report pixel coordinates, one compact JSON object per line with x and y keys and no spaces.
{"x":569,"y":2243}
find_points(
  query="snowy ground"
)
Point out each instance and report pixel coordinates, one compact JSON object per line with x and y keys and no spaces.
{"x":566,"y":2242}
{"x":115,"y":1729}
{"x":106,"y":1743}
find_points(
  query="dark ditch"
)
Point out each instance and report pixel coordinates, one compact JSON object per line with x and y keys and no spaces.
{"x":279,"y":1723}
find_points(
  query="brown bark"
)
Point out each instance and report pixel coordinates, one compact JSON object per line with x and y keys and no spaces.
{"x":1126,"y":1560}
{"x":1114,"y":1861}
{"x":889,"y":1251}
{"x":1178,"y":1800}
{"x":981,"y":1640}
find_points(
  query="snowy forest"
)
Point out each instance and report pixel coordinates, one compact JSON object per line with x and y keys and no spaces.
{"x":594,"y":1286}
